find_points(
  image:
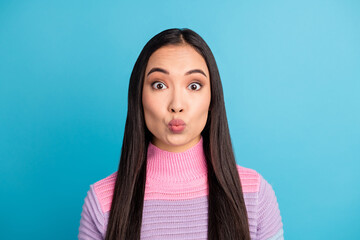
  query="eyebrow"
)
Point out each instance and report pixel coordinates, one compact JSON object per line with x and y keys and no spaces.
{"x":156,"y":69}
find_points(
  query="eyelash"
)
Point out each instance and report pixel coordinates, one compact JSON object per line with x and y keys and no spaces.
{"x":200,"y":85}
{"x":156,"y":82}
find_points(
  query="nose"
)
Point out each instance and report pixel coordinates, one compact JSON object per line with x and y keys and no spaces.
{"x":176,"y":104}
{"x":175,"y":110}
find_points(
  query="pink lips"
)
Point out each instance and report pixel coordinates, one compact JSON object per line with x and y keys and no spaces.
{"x":176,"y":125}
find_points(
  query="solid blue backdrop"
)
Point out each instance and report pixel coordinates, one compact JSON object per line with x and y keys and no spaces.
{"x":290,"y":72}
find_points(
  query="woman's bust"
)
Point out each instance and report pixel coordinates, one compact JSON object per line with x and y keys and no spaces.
{"x":177,"y":176}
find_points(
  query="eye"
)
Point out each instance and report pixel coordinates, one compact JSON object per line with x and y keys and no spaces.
{"x":158,"y":85}
{"x":195,"y":86}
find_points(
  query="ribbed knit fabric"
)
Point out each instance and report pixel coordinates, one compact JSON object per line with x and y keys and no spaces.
{"x":176,"y":200}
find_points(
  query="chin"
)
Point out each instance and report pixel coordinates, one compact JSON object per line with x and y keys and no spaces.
{"x":180,"y":139}
{"x":177,"y":139}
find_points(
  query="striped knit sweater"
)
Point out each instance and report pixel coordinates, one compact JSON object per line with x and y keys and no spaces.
{"x":176,"y":199}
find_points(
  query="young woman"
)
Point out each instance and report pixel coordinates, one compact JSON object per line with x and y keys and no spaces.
{"x":177,"y":177}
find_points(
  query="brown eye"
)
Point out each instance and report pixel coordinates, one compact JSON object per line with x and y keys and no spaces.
{"x":194,"y":86}
{"x":158,"y":85}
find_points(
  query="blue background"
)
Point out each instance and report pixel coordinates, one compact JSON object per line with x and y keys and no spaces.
{"x":291,"y":78}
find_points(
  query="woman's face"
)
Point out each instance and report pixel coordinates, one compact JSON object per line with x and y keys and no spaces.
{"x":176,"y":97}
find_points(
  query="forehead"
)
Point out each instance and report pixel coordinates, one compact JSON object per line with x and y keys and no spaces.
{"x":176,"y":58}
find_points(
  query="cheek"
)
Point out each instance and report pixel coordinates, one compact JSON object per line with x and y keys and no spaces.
{"x":148,"y":110}
{"x":201,"y":111}
{"x":152,"y":110}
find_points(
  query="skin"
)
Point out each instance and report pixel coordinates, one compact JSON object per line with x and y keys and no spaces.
{"x":177,"y":94}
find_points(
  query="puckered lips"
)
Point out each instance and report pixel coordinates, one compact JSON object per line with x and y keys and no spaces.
{"x":176,"y":125}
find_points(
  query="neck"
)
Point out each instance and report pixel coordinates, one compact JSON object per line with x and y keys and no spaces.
{"x":176,"y":166}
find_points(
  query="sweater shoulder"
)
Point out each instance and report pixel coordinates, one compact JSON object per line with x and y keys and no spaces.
{"x":250,"y":179}
{"x":104,"y":190}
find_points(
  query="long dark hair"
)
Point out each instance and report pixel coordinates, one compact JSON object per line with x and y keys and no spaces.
{"x":227,"y":215}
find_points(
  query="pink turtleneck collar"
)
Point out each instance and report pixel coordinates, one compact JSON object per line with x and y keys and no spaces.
{"x":176,"y":166}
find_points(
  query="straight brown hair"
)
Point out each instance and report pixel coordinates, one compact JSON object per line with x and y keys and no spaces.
{"x":227,"y":215}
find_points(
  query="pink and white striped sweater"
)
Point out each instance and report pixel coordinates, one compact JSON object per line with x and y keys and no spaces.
{"x":176,"y":200}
